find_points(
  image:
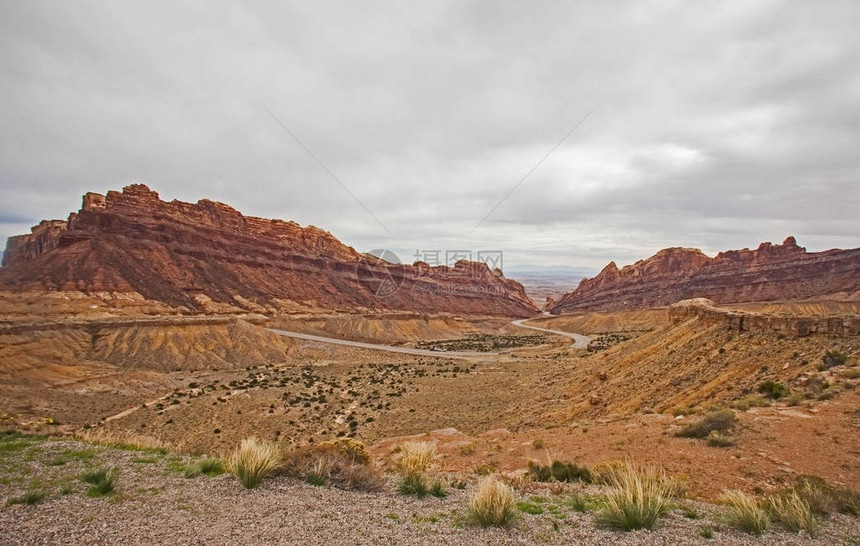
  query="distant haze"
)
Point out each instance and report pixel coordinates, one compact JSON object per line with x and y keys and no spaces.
{"x":715,"y":125}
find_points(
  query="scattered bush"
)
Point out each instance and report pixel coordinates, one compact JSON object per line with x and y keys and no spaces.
{"x":833,"y":358}
{"x":720,"y":421}
{"x":774,"y":390}
{"x":639,"y":496}
{"x":559,"y":471}
{"x":102,"y":482}
{"x":350,"y":447}
{"x":718,"y":439}
{"x":537,"y":443}
{"x":492,"y":504}
{"x":254,"y":460}
{"x":743,"y":512}
{"x":792,"y":511}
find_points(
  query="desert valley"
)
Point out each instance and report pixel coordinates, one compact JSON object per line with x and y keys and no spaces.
{"x":147,"y":340}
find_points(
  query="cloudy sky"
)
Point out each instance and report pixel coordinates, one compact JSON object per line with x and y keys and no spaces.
{"x":714,"y":125}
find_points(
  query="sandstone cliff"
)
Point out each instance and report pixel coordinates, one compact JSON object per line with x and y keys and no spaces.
{"x":771,"y":272}
{"x":206,"y":256}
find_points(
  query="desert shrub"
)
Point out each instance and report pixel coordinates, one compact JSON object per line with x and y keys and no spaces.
{"x":748,"y":401}
{"x":833,"y":358}
{"x":492,"y":504}
{"x":254,"y":460}
{"x":638,"y":497}
{"x":743,"y":512}
{"x":605,"y":472}
{"x":720,"y":421}
{"x":350,"y":447}
{"x":329,"y":464}
{"x":823,"y":499}
{"x":792,"y":511}
{"x":538,"y":443}
{"x":774,"y":390}
{"x":718,"y":439}
{"x":101,"y":481}
{"x":559,"y":471}
{"x":416,"y":457}
{"x":30,"y":497}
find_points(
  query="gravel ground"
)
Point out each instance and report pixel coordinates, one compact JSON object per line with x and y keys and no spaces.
{"x":156,"y":504}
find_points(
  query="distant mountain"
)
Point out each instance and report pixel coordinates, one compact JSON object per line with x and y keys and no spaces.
{"x":206,"y":256}
{"x":771,"y":272}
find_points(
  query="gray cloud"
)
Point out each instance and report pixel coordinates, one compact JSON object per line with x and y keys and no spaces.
{"x":717,"y":126}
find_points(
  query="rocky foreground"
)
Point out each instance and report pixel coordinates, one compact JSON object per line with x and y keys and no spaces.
{"x":157,"y":501}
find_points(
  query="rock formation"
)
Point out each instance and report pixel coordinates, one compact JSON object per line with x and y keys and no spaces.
{"x":207,"y":256}
{"x":771,"y":272}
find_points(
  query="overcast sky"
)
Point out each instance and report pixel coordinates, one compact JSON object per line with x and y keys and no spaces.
{"x":714,"y":125}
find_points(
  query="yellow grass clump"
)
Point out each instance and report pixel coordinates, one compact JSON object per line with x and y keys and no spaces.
{"x":492,"y":503}
{"x":122,"y":440}
{"x":254,"y":460}
{"x":743,"y":512}
{"x":638,"y":497}
{"x":416,"y":457}
{"x":792,"y":511}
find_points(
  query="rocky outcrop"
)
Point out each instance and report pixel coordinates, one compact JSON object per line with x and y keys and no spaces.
{"x":207,"y":256}
{"x":741,"y":321}
{"x":771,"y":272}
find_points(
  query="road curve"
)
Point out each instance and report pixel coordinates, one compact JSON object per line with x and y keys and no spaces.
{"x":379,"y":347}
{"x":580,"y":341}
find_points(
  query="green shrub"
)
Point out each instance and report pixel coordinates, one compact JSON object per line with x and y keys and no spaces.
{"x":30,"y":497}
{"x":559,"y":471}
{"x":834,"y":358}
{"x":101,"y":481}
{"x":774,"y":390}
{"x":414,"y":485}
{"x":743,"y":512}
{"x":580,"y":502}
{"x":437,"y":490}
{"x":720,"y":421}
{"x":209,"y":466}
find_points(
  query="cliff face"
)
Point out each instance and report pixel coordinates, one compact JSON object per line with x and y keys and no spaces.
{"x":206,"y":255}
{"x":771,"y":272}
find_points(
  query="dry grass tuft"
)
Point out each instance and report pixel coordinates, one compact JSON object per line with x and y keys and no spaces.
{"x":416,"y":457}
{"x":254,"y":460}
{"x":793,"y":512}
{"x":338,"y":464}
{"x":743,"y":512}
{"x":492,"y":504}
{"x":638,"y":497}
{"x":122,"y":440}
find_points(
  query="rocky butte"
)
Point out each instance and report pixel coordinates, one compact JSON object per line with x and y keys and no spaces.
{"x":204,"y":256}
{"x":768,"y":273}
